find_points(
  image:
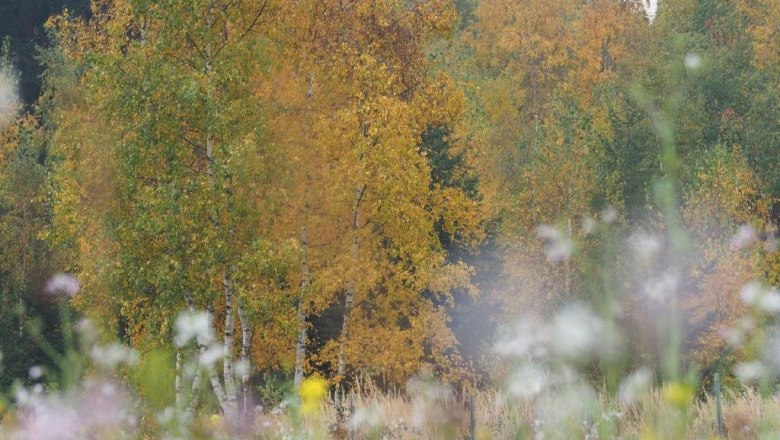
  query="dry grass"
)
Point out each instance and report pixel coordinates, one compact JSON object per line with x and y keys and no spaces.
{"x":438,"y":414}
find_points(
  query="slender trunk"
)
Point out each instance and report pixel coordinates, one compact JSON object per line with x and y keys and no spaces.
{"x":216,"y":385}
{"x":300,"y":343}
{"x":350,"y":294}
{"x":194,"y":396}
{"x":230,"y":382}
{"x":226,"y":395}
{"x":178,"y":381}
{"x":21,"y":317}
{"x":246,"y":355}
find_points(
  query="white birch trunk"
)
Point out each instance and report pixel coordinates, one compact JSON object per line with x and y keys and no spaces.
{"x":246,"y":357}
{"x":231,"y":398}
{"x":194,"y":396}
{"x":177,"y":385}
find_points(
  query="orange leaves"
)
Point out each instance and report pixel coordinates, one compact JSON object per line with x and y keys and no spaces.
{"x":763,"y":25}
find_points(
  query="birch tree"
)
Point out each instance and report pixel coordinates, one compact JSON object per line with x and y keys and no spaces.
{"x":171,"y":83}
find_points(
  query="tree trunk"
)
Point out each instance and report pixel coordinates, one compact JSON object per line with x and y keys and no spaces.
{"x":350,"y":294}
{"x":246,"y":355}
{"x":216,"y":385}
{"x":231,"y":398}
{"x":300,"y":343}
{"x":177,"y":385}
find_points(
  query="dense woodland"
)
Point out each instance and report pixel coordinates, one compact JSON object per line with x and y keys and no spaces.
{"x":377,"y":188}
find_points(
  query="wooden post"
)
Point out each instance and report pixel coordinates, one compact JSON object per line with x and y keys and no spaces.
{"x":472,"y":419}
{"x":718,"y":406}
{"x":350,"y":430}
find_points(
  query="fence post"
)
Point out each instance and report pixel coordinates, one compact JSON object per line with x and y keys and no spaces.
{"x":350,"y":429}
{"x":718,"y":406}
{"x":472,"y":418}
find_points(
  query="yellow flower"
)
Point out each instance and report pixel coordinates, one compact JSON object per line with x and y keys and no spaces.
{"x":312,"y":392}
{"x":678,"y":394}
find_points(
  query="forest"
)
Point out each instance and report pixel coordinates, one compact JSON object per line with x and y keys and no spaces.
{"x":389,"y":219}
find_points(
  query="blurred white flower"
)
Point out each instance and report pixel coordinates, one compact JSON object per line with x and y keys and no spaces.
{"x":241,"y":368}
{"x":431,"y":399}
{"x":370,"y":417}
{"x":745,"y":235}
{"x":526,"y":382}
{"x":112,"y":355}
{"x":62,"y":284}
{"x":578,"y":333}
{"x":36,"y":371}
{"x":635,"y":385}
{"x":751,"y":372}
{"x":692,"y":61}
{"x":574,"y":403}
{"x":211,"y":355}
{"x":518,"y":342}
{"x":609,"y":215}
{"x":95,"y":407}
{"x":766,"y":300}
{"x":645,"y":246}
{"x":193,"y":325}
{"x":661,"y":288}
{"x":559,"y":245}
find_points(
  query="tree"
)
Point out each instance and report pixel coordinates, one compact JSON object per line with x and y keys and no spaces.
{"x":360,"y":97}
{"x":172,"y":153}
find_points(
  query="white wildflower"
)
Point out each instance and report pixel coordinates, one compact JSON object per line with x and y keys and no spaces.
{"x":660,"y":289}
{"x":766,"y":300}
{"x":733,"y":336}
{"x":112,"y":355}
{"x":62,"y":284}
{"x":521,"y":341}
{"x":645,"y":246}
{"x":559,"y":246}
{"x":577,"y":333}
{"x":370,"y":417}
{"x":196,"y":325}
{"x":692,"y":61}
{"x":527,"y":382}
{"x":211,"y":355}
{"x":609,"y":215}
{"x":576,"y":402}
{"x":241,"y":368}
{"x":751,"y":372}
{"x":36,"y":371}
{"x":745,"y":235}
{"x":635,"y":385}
